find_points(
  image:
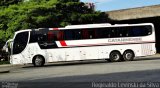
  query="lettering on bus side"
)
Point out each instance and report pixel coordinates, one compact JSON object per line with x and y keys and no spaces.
{"x":125,"y":40}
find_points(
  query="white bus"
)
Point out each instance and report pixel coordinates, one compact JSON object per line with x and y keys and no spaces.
{"x":120,"y":42}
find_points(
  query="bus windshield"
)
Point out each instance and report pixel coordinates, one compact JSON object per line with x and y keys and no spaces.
{"x":20,"y":42}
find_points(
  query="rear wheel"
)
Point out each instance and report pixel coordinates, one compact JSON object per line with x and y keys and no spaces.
{"x":128,"y":56}
{"x":38,"y":61}
{"x":115,"y":56}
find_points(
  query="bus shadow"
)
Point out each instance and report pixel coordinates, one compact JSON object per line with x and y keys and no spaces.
{"x":70,"y":63}
{"x":147,"y":58}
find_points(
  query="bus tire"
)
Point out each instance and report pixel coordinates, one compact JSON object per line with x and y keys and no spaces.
{"x":128,"y":55}
{"x":115,"y":56}
{"x":38,"y":61}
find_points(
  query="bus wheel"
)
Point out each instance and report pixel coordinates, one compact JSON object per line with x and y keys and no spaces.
{"x":38,"y":61}
{"x":115,"y":56}
{"x":128,"y":55}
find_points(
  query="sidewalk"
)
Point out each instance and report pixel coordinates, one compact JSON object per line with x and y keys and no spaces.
{"x":5,"y":68}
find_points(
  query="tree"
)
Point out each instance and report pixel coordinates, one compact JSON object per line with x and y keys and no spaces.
{"x":65,"y":1}
{"x":9,"y":2}
{"x":44,"y":14}
{"x":75,"y":12}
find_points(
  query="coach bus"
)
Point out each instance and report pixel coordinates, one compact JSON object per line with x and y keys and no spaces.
{"x":120,"y":42}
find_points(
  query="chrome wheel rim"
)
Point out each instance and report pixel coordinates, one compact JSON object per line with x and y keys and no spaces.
{"x":38,"y":61}
{"x":115,"y":57}
{"x":128,"y":56}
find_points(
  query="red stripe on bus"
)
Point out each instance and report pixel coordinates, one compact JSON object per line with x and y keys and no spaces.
{"x":63,"y":43}
{"x":55,"y":29}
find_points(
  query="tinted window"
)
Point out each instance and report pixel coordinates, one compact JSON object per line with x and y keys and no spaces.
{"x":20,"y":42}
{"x":140,"y":31}
{"x":103,"y":33}
{"x":92,"y":33}
{"x":72,"y":34}
{"x":48,"y":40}
{"x":33,"y":37}
{"x":69,"y":35}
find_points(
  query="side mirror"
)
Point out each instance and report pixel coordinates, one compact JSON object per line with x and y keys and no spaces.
{"x":8,"y":45}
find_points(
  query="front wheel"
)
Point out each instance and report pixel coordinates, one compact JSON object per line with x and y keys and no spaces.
{"x":115,"y":56}
{"x":38,"y":61}
{"x":128,"y":56}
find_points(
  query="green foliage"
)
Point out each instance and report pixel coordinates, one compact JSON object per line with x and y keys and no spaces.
{"x":4,"y":62}
{"x":28,"y":14}
{"x":76,"y":12}
{"x":65,"y":1}
{"x":9,"y":2}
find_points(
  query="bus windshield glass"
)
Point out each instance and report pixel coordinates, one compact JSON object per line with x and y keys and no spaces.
{"x":20,"y":42}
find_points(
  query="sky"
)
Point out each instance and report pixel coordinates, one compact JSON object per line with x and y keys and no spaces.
{"x":110,"y":5}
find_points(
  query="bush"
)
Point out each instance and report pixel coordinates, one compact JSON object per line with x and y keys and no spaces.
{"x":45,"y":14}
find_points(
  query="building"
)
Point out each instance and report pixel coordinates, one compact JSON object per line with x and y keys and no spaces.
{"x":135,"y":13}
{"x":138,"y":15}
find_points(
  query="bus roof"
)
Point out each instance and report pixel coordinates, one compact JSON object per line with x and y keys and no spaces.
{"x":101,"y":25}
{"x":86,"y":26}
{"x":23,"y":30}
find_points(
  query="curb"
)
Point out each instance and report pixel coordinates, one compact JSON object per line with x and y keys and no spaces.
{"x":5,"y":68}
{"x":6,"y":71}
{"x":5,"y":65}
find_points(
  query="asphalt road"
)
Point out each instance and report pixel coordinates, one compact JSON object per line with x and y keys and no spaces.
{"x":84,"y":74}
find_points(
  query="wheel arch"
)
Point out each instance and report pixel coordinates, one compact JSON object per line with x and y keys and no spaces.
{"x":115,"y":51}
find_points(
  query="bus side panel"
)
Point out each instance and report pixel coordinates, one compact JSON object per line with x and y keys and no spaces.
{"x":27,"y":55}
{"x":54,"y":55}
{"x":32,"y":50}
{"x":72,"y":54}
{"x":148,"y":49}
{"x":17,"y":59}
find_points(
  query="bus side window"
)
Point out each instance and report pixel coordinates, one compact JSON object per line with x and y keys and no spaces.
{"x":85,"y":34}
{"x":120,"y":32}
{"x":50,"y":36}
{"x":136,"y":31}
{"x":99,"y":33}
{"x":91,"y":33}
{"x":68,"y":34}
{"x":108,"y":33}
{"x":125,"y":32}
{"x":130,"y":32}
{"x":60,"y":35}
{"x":148,"y":30}
{"x":77,"y":34}
{"x":33,"y":37}
{"x":114,"y":32}
{"x":42,"y":37}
